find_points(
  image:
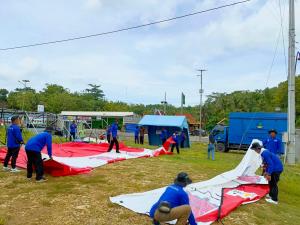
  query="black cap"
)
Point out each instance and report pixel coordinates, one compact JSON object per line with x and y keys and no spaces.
{"x":14,"y":118}
{"x":182,"y":179}
{"x":273,"y":130}
{"x":255,"y":146}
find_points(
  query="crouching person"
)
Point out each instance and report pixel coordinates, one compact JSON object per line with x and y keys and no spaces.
{"x":174,"y":203}
{"x":33,"y":150}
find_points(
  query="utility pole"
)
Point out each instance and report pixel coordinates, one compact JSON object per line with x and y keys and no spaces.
{"x":291,"y":145}
{"x":24,"y":83}
{"x":165,"y":103}
{"x":200,"y":106}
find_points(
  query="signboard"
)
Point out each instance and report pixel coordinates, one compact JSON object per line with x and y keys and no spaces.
{"x":41,"y":108}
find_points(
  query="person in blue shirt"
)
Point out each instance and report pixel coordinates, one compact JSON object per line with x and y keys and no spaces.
{"x":33,"y":150}
{"x":108,"y":133}
{"x":273,"y":170}
{"x":273,"y":144}
{"x":73,"y":131}
{"x":14,"y":142}
{"x":175,"y":138}
{"x":163,"y":135}
{"x":182,"y":139}
{"x":114,"y":134}
{"x":211,"y":146}
{"x":174,"y":203}
{"x":136,"y":135}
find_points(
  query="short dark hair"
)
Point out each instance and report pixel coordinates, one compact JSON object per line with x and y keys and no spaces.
{"x":14,"y":118}
{"x":255,"y":146}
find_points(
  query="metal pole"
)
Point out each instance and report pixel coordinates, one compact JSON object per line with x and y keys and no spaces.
{"x":200,"y":106}
{"x":291,"y":147}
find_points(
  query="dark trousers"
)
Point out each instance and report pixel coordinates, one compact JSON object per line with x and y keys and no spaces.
{"x":182,"y":144}
{"x":108,"y":138}
{"x":13,"y":154}
{"x":136,"y":140}
{"x":113,"y":141}
{"x":142,"y":140}
{"x":163,"y":140}
{"x":72,"y":136}
{"x":273,"y":186}
{"x":35,"y":159}
{"x":177,"y":147}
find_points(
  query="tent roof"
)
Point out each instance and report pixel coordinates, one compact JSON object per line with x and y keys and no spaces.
{"x":168,"y":121}
{"x":102,"y":114}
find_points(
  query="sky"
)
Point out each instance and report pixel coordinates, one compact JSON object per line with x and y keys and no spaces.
{"x":235,"y":45}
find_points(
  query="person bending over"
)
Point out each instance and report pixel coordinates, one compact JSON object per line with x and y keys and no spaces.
{"x":273,"y":170}
{"x":33,"y":150}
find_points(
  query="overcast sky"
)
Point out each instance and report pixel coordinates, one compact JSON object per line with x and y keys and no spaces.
{"x":236,"y":45}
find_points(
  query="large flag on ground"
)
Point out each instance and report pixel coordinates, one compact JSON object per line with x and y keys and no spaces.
{"x":212,"y":199}
{"x":78,"y":158}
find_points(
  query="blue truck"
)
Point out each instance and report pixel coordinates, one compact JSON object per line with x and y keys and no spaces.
{"x":244,"y":127}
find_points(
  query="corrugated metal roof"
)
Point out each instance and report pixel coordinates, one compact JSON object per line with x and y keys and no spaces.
{"x":168,"y":121}
{"x":100,"y":114}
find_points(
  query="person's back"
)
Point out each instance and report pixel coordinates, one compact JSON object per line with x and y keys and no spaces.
{"x":38,"y":142}
{"x":174,"y":203}
{"x":274,"y":164}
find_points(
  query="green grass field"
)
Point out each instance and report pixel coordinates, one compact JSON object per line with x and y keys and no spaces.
{"x":84,"y":199}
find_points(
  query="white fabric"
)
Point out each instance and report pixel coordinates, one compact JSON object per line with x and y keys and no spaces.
{"x":210,"y":189}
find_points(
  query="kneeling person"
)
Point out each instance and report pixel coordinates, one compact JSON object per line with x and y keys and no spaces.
{"x":33,"y":150}
{"x":174,"y":203}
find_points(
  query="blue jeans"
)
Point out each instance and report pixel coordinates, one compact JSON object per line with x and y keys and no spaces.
{"x":211,"y":151}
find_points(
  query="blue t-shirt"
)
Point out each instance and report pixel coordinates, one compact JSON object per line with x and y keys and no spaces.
{"x":114,"y":130}
{"x":38,"y":142}
{"x":136,"y":132}
{"x":73,"y":128}
{"x":176,"y":196}
{"x":274,"y":145}
{"x":14,"y":136}
{"x":272,"y":161}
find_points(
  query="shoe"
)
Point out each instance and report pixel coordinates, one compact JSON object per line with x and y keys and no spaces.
{"x":108,"y":150}
{"x":43,"y":179}
{"x":118,"y":152}
{"x":29,"y":178}
{"x":15,"y":170}
{"x":271,"y":201}
{"x":268,"y":196}
{"x":5,"y":168}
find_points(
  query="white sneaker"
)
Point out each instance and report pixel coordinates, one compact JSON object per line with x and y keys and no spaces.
{"x":43,"y":179}
{"x":271,"y":201}
{"x":15,"y":170}
{"x":268,"y":196}
{"x":5,"y":168}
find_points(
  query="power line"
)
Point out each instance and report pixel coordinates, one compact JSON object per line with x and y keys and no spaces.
{"x":124,"y":29}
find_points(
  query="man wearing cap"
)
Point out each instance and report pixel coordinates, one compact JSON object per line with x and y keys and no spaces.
{"x":14,"y":142}
{"x":273,"y":144}
{"x":33,"y":150}
{"x":174,"y":203}
{"x":273,"y":170}
{"x":114,"y":134}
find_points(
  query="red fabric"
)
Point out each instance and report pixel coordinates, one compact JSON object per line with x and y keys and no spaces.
{"x":79,"y":149}
{"x":75,"y":149}
{"x":168,"y":142}
{"x":51,"y":167}
{"x":231,"y":202}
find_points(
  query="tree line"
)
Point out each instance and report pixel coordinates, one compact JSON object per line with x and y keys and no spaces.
{"x":217,"y":106}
